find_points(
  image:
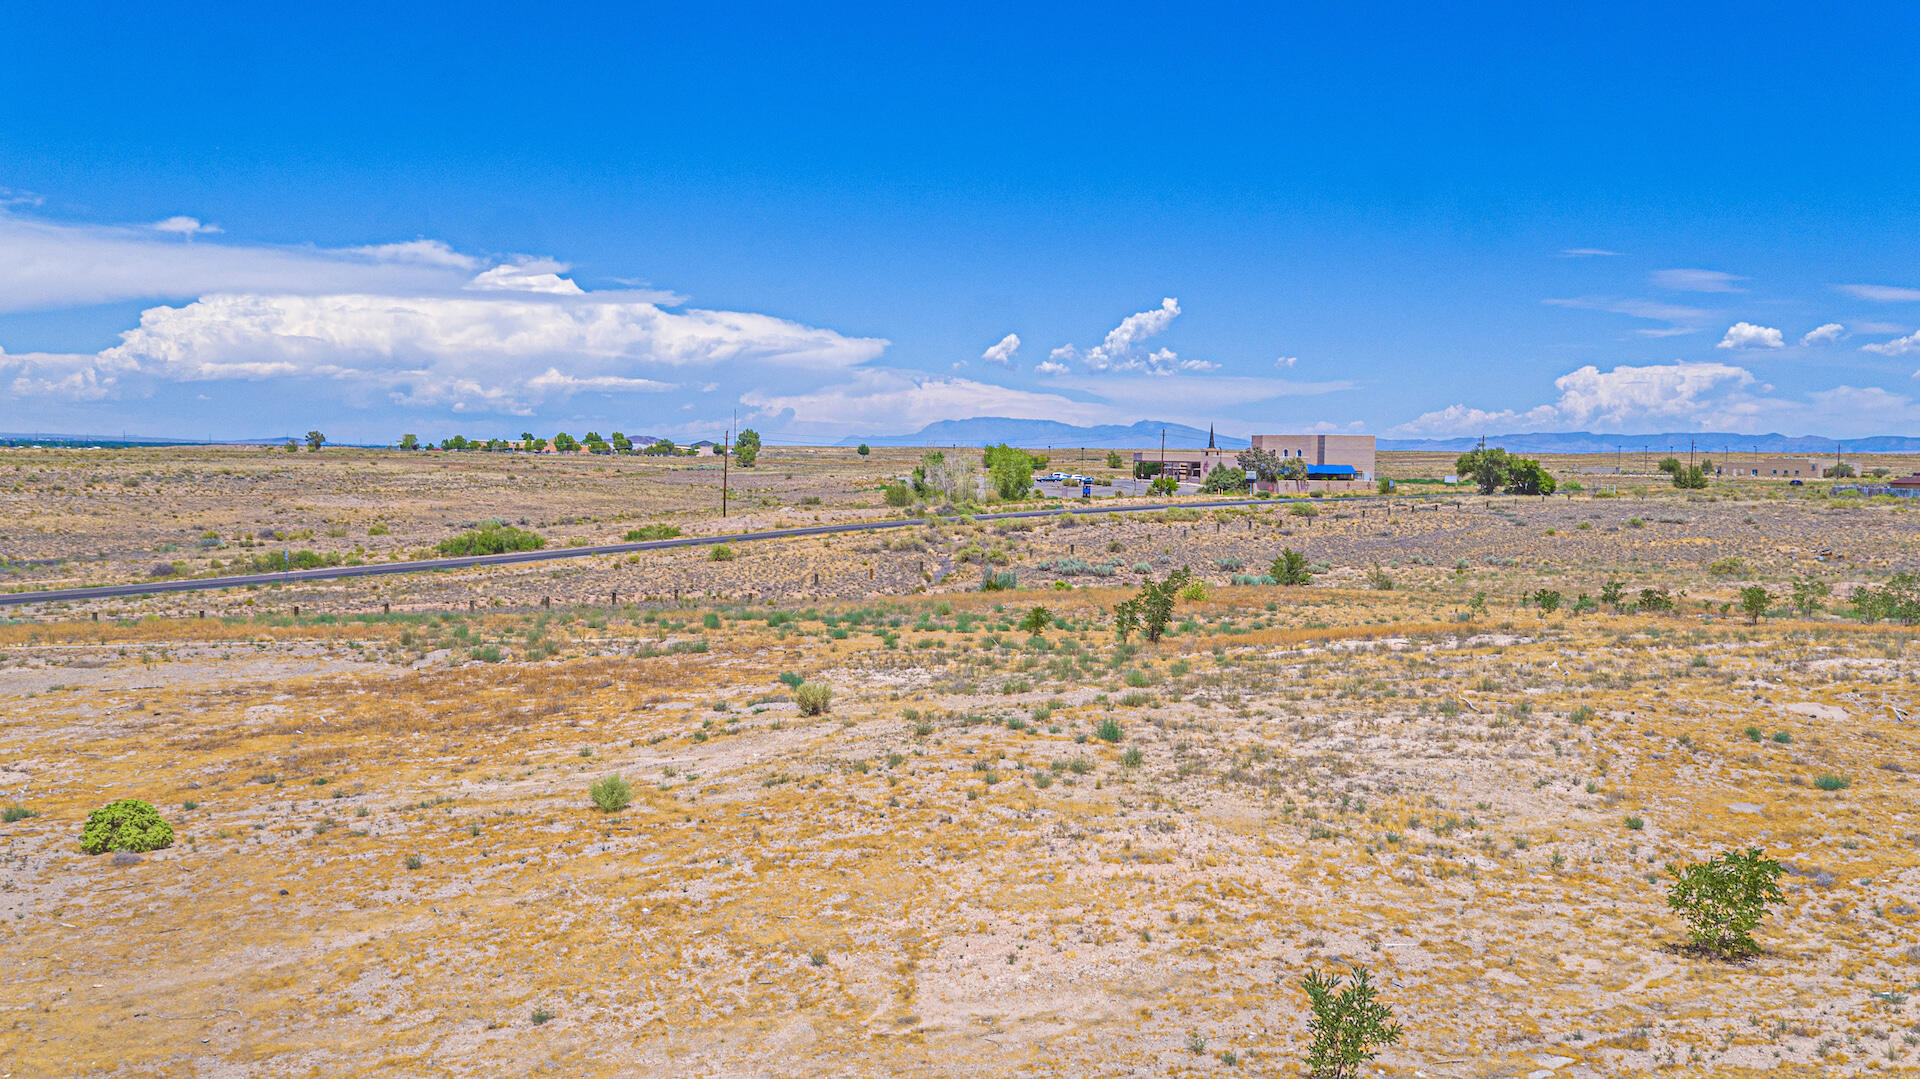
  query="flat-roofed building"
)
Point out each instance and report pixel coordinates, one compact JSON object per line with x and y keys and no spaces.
{"x":1327,"y":456}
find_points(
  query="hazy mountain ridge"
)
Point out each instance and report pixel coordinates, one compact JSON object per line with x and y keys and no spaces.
{"x":1703,"y":442}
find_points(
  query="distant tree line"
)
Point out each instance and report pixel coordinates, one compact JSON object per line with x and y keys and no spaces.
{"x":746,"y":448}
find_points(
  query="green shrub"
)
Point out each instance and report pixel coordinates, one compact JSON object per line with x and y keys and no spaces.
{"x":1782,"y":737}
{"x":1725,"y":898}
{"x":1132,"y":758}
{"x":1833,"y":783}
{"x":1634,"y":824}
{"x":653,"y":532}
{"x":1753,"y":734}
{"x":1581,"y":716}
{"x":790,"y":679}
{"x":899,"y":494}
{"x":1348,"y":1026}
{"x":611,"y":794}
{"x":720,"y":553}
{"x":1108,"y":730}
{"x":814,"y":698}
{"x":1290,"y":568}
{"x":128,"y":824}
{"x":15,"y":813}
{"x":490,"y":538}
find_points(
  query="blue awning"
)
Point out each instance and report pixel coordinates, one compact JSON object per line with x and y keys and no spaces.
{"x":1331,"y":472}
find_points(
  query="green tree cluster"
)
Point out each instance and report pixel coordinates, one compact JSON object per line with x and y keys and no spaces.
{"x":1494,"y":469}
{"x":746,"y":448}
{"x":1226,"y":479}
{"x":1010,"y":470}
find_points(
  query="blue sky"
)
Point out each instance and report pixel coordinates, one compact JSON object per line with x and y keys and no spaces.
{"x":1391,"y":218}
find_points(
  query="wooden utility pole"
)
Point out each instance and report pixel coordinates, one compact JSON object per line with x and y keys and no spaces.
{"x":726,"y":456}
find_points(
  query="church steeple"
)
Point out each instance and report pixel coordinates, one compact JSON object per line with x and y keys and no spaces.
{"x":1210,"y":444}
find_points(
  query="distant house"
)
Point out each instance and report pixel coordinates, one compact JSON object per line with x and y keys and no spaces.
{"x":706,"y":447}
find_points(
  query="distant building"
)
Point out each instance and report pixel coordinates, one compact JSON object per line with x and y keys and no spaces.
{"x":1329,"y":458}
{"x":706,"y":447}
{"x":1785,"y":468}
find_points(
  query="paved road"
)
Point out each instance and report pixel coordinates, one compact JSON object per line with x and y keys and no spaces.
{"x":205,"y":584}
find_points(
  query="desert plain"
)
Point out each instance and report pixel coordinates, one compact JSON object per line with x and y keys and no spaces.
{"x":995,"y":851}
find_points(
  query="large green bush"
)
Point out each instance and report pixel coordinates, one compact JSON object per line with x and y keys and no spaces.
{"x":128,"y":824}
{"x":1724,"y":899}
{"x":492,"y":538}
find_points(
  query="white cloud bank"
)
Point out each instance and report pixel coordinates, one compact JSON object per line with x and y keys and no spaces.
{"x":1747,"y":335}
{"x":1683,"y":396}
{"x":415,"y":321}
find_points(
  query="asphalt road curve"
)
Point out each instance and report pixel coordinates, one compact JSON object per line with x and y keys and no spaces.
{"x":327,"y":573}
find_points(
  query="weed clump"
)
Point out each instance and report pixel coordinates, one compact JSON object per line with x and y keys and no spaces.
{"x":814,"y":698}
{"x":611,"y":794}
{"x":128,"y":824}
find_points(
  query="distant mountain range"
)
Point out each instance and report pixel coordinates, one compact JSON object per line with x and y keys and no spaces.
{"x":1040,"y":434}
{"x":1707,"y":442}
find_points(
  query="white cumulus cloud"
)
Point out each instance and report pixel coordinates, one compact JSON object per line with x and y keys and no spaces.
{"x":1121,"y":351}
{"x":1899,"y":346}
{"x":1285,"y":362}
{"x":184,"y":226}
{"x":1823,"y":334}
{"x":1747,"y":335}
{"x":1002,"y":351}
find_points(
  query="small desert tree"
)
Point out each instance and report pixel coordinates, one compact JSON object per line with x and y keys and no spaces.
{"x":315,"y":440}
{"x":409,"y":442}
{"x":1808,"y":592}
{"x":1113,"y":459}
{"x":863,"y":449}
{"x":1037,"y":620}
{"x":1152,"y":606}
{"x":1291,"y":568}
{"x":1725,"y":898}
{"x":1349,"y":1024}
{"x":1163,"y":485}
{"x":746,"y":448}
{"x":1754,"y":602}
{"x":1264,"y":464}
